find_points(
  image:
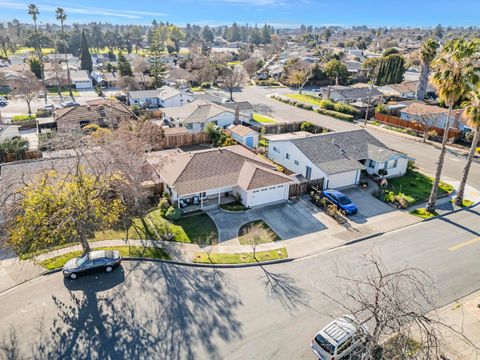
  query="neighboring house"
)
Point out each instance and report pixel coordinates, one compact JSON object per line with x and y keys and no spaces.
{"x":105,"y":113}
{"x":214,"y":175}
{"x":8,"y":131}
{"x":337,"y":158}
{"x":354,"y":67}
{"x":165,"y":97}
{"x":110,"y":80}
{"x":52,"y":78}
{"x":195,"y":115}
{"x":81,"y":79}
{"x":351,"y":94}
{"x":244,"y":135}
{"x":404,"y":90}
{"x":243,"y":106}
{"x":416,"y":111}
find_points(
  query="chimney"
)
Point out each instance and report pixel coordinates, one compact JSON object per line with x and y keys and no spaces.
{"x":237,"y":115}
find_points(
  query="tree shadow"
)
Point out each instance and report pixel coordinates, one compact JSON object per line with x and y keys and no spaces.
{"x":282,"y":288}
{"x":157,"y":311}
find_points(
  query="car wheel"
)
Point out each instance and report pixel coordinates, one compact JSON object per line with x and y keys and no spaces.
{"x":108,"y":269}
{"x":73,"y":276}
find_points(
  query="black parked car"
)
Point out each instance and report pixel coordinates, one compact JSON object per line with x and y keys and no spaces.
{"x":94,"y":261}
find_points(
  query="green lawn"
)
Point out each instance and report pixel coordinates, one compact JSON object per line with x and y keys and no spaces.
{"x":309,"y":99}
{"x":233,"y":206}
{"x":64,"y":92}
{"x":125,"y":251}
{"x":416,"y":186}
{"x":189,"y":229}
{"x":240,"y":258}
{"x":423,"y":213}
{"x":267,"y":236}
{"x":263,"y":119}
{"x":20,"y":118}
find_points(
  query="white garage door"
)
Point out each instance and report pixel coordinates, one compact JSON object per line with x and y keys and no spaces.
{"x":267,"y":195}
{"x":336,"y":181}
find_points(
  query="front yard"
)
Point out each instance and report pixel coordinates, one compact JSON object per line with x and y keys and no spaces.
{"x":309,"y":99}
{"x":195,"y":228}
{"x":255,"y":233}
{"x":240,"y":258}
{"x":262,"y":119}
{"x":414,"y":187}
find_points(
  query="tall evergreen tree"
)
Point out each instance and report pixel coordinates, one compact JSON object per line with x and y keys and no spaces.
{"x":391,"y":70}
{"x":124,"y":67}
{"x":427,"y":54}
{"x":85,"y":57}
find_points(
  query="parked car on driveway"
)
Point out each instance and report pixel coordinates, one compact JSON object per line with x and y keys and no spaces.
{"x":341,"y":200}
{"x":94,"y":261}
{"x":3,"y":101}
{"x":343,"y":338}
{"x":70,"y":104}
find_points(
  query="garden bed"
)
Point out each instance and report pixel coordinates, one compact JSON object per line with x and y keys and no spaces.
{"x":267,"y":236}
{"x":240,"y":258}
{"x":125,"y":251}
{"x":235,"y":206}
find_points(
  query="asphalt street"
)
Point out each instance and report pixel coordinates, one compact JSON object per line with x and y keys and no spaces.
{"x":425,"y":155}
{"x":156,"y":310}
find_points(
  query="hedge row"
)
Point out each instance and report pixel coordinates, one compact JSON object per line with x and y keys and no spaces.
{"x":323,"y":111}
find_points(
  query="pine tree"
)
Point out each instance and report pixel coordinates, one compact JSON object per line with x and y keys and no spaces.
{"x":391,"y":70}
{"x":85,"y":57}
{"x":124,"y":67}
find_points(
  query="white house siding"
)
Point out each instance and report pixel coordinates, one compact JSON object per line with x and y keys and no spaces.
{"x":398,"y":170}
{"x":177,"y":100}
{"x":83,"y":84}
{"x":243,"y":139}
{"x":287,"y":147}
{"x":268,"y":195}
{"x":222,"y":120}
{"x":340,"y":180}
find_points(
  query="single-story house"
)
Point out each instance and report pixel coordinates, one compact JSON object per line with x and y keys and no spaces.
{"x":354,"y":66}
{"x":243,"y":106}
{"x":351,"y":94}
{"x":110,"y":79}
{"x":404,"y":90}
{"x":245,"y":135}
{"x":337,"y":158}
{"x":437,"y":116}
{"x":8,"y":131}
{"x":105,"y":113}
{"x":81,"y":79}
{"x":215,"y":176}
{"x":52,"y":78}
{"x":165,"y":97}
{"x":195,"y":115}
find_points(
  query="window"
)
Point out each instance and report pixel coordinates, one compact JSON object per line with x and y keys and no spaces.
{"x":277,"y":150}
{"x":279,"y":186}
{"x":392,"y":164}
{"x":255,"y":191}
{"x":308,"y":172}
{"x":344,"y":346}
{"x":296,"y":162}
{"x":287,"y":156}
{"x":264,"y":189}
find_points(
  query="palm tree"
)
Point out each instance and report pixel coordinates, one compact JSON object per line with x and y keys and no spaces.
{"x":454,"y":70}
{"x":472,"y":114}
{"x":34,"y":12}
{"x":427,"y":54}
{"x":62,"y":16}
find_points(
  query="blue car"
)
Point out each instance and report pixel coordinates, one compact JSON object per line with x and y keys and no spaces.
{"x":342,"y":201}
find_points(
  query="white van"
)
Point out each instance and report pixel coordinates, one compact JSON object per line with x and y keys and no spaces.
{"x":339,"y":339}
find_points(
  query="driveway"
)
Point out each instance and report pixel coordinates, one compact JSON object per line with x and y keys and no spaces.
{"x":287,"y":219}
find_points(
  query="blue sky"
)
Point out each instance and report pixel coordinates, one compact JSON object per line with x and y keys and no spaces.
{"x":282,"y":13}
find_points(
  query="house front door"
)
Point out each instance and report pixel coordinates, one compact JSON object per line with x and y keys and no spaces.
{"x":308,"y":173}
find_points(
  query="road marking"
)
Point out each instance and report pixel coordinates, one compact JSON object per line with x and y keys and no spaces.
{"x":463,"y":244}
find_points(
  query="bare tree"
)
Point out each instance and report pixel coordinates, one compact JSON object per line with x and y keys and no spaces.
{"x":428,"y":122}
{"x":395,"y":305}
{"x":251,"y":66}
{"x":232,"y":79}
{"x":300,"y":76}
{"x":257,"y":234}
{"x":129,"y":83}
{"x":140,"y":66}
{"x":26,"y":87}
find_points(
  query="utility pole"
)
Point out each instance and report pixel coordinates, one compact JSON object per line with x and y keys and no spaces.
{"x":373,"y":81}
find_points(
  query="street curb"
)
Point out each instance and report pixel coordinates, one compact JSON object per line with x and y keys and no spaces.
{"x":451,"y":212}
{"x":363,"y":238}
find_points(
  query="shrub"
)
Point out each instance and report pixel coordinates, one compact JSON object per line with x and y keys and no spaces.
{"x":300,"y":105}
{"x":20,"y":118}
{"x":327,"y":104}
{"x":269,"y":82}
{"x":206,"y":85}
{"x":382,"y":109}
{"x":335,"y":114}
{"x":42,"y":113}
{"x":173,"y":213}
{"x":345,"y":108}
{"x":478,"y":150}
{"x":308,"y":127}
{"x":163,"y":205}
{"x":308,"y":107}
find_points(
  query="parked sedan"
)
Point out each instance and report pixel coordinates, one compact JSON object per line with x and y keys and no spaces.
{"x":70,"y":104}
{"x":342,"y":201}
{"x":94,"y":261}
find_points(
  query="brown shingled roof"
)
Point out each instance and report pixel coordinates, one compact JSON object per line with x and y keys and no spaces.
{"x":241,"y":130}
{"x":196,"y":172}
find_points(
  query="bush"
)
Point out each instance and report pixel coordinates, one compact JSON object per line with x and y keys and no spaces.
{"x":163,"y":205}
{"x":335,"y":114}
{"x":308,"y":127}
{"x":42,"y":113}
{"x":478,"y":150}
{"x":300,"y":105}
{"x":206,"y":85}
{"x":269,"y":82}
{"x":345,"y":108}
{"x":327,"y":104}
{"x":173,"y":213}
{"x":382,"y":109}
{"x":308,"y":107}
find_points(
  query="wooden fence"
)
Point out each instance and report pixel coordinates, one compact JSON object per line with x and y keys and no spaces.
{"x":302,"y":188}
{"x":28,"y":155}
{"x":175,"y":140}
{"x":286,"y":127}
{"x":396,"y":121}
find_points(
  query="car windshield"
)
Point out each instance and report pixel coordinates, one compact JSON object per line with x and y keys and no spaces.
{"x":325,"y":344}
{"x":82,"y":260}
{"x":344,"y":200}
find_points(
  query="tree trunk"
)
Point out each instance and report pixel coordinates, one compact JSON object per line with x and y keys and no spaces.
{"x":231,"y":93}
{"x":337,"y":81}
{"x":422,"y":83}
{"x":29,"y":108}
{"x":466,"y":169}
{"x":85,"y":245}
{"x":432,"y":201}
